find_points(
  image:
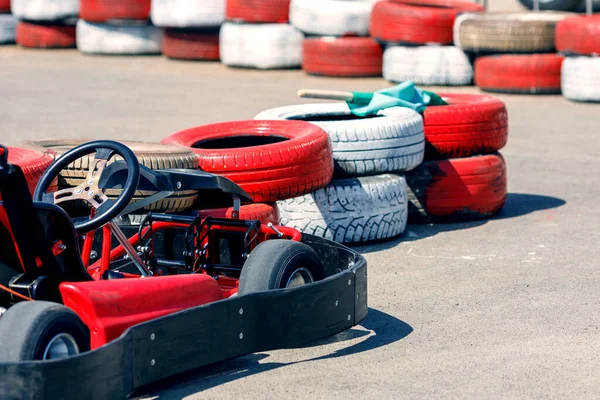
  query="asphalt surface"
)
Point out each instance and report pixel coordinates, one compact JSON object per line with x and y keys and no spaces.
{"x":505,"y":308}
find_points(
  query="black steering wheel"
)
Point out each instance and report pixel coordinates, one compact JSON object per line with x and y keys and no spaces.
{"x":88,"y":190}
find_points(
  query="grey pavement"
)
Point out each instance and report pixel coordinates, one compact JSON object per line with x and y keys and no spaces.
{"x":504,"y":308}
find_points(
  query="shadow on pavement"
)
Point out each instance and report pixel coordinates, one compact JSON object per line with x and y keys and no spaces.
{"x":385,"y":328}
{"x":517,"y":205}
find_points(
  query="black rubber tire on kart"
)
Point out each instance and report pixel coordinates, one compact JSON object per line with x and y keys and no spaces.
{"x":155,"y":156}
{"x":27,"y":329}
{"x":273,"y":264}
{"x":556,"y":5}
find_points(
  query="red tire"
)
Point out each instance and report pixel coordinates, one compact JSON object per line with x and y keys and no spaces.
{"x":45,"y":36}
{"x":271,"y":11}
{"x":271,"y":160}
{"x":409,"y":22}
{"x":263,"y":212}
{"x":523,"y":73}
{"x":470,"y":124}
{"x":457,"y":189}
{"x":346,"y":56}
{"x":4,"y":6}
{"x":579,"y":35}
{"x":104,"y":10}
{"x":33,"y":163}
{"x":187,"y":44}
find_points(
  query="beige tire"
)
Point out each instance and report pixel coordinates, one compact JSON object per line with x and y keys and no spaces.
{"x":152,"y":155}
{"x":523,"y":32}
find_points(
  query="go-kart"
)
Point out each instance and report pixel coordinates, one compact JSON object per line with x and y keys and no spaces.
{"x":246,"y":285}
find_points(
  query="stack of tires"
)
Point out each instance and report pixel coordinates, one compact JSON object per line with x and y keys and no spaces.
{"x":8,"y":23}
{"x":578,"y":39}
{"x":418,"y":40}
{"x":367,"y":198}
{"x":270,"y":160}
{"x":337,"y":42}
{"x":257,"y":35}
{"x":45,"y":24}
{"x":119,"y":27}
{"x":191,"y":27}
{"x":518,"y":52}
{"x":463,"y":176}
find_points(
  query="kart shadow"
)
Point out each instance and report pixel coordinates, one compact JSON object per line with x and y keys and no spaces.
{"x":517,"y":205}
{"x":383,"y":328}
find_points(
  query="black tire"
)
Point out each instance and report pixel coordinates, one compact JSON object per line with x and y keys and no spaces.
{"x":555,"y":5}
{"x":27,"y":328}
{"x":272,"y":263}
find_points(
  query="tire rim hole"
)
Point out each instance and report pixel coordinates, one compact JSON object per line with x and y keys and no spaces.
{"x":300,"y":277}
{"x":62,"y":345}
{"x":238,"y":141}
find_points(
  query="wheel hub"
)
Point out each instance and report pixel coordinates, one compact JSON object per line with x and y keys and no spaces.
{"x":62,"y":345}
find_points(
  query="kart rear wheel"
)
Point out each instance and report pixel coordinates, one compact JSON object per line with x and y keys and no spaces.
{"x":279,"y":264}
{"x":41,"y":330}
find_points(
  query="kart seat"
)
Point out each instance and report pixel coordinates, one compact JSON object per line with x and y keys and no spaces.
{"x":29,"y":230}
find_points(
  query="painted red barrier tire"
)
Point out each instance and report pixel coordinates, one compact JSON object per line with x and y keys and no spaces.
{"x":105,"y":10}
{"x":189,"y":44}
{"x":33,"y":163}
{"x":409,"y":22}
{"x":272,"y":11}
{"x":346,"y":56}
{"x":579,"y":35}
{"x":470,"y":124}
{"x":522,"y":73}
{"x":271,"y":160}
{"x":457,"y":189}
{"x":264,"y":212}
{"x":43,"y":36}
{"x":4,"y":6}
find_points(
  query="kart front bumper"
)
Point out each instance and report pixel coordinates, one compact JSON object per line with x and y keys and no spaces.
{"x":180,"y":342}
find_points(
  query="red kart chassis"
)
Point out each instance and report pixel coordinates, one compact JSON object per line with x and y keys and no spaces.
{"x":145,"y":330}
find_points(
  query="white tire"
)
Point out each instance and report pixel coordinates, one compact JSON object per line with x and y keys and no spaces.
{"x":394,"y":140}
{"x":44,"y":10}
{"x":351,"y":210}
{"x":187,"y":13}
{"x":261,"y":46}
{"x":580,"y":78}
{"x":332,"y":17}
{"x":94,"y":38}
{"x":427,"y":65}
{"x":8,"y":26}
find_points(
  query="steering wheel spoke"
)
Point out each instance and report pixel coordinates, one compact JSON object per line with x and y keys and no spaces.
{"x":104,"y":206}
{"x":61,"y":196}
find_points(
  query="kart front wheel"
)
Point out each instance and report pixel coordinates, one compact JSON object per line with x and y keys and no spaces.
{"x":41,"y":330}
{"x":279,"y":264}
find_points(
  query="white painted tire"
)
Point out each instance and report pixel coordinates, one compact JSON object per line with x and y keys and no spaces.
{"x":351,"y":210}
{"x":95,"y":38}
{"x":392,"y":141}
{"x":261,"y":46}
{"x":187,"y":13}
{"x":580,"y":78}
{"x":332,"y":17}
{"x":44,"y":10}
{"x":427,"y":65}
{"x":8,"y":26}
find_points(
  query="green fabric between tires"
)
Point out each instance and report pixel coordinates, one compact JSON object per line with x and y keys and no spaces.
{"x":405,"y":94}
